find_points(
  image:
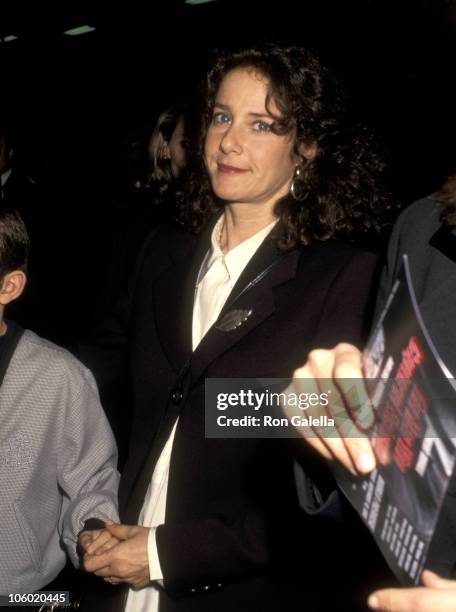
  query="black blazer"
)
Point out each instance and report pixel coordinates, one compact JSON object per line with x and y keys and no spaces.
{"x":432,"y":257}
{"x":234,"y":537}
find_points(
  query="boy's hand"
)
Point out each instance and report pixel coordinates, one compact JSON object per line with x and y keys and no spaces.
{"x":97,"y":541}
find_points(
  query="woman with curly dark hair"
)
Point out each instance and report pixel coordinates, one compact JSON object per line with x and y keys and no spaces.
{"x":337,"y":189}
{"x":251,"y":282}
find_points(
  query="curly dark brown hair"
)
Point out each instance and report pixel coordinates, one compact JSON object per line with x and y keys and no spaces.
{"x":341,"y":190}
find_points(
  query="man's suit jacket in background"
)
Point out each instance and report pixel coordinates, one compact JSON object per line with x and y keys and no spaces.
{"x":431,"y":250}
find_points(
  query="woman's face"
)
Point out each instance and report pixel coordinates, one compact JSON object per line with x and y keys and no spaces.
{"x":175,"y":149}
{"x":246,"y":161}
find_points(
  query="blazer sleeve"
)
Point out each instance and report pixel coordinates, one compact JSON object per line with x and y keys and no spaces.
{"x":202,"y":554}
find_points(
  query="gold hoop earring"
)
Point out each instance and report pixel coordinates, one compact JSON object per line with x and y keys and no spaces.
{"x":296,"y":190}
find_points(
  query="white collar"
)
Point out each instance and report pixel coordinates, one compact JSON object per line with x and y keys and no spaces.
{"x":237,"y":258}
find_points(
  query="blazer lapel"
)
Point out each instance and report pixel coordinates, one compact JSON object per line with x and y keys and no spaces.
{"x":252,"y":292}
{"x":174,"y":293}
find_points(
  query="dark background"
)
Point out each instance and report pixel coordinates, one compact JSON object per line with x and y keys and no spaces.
{"x":74,"y":101}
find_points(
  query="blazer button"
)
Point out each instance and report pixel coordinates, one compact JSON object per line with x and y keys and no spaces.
{"x":177,"y":397}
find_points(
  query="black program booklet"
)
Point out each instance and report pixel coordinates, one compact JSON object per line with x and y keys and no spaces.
{"x":414,"y":435}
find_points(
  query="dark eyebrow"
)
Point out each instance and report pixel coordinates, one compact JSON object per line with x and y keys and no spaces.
{"x":259,"y":115}
{"x":265,"y":115}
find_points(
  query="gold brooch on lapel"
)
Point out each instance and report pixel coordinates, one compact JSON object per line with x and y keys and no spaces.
{"x":233,"y":319}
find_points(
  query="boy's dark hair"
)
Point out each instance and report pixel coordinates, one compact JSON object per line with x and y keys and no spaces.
{"x":14,"y":242}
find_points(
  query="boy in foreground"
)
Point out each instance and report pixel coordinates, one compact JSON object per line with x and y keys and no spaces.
{"x":58,"y":457}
